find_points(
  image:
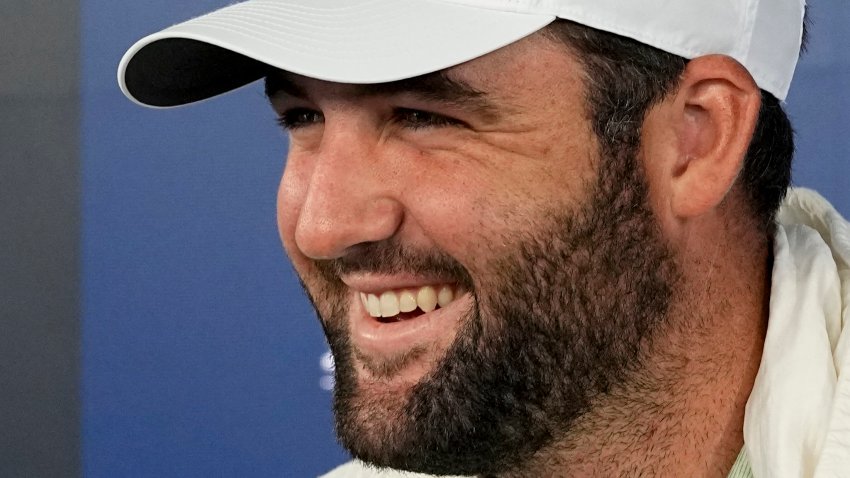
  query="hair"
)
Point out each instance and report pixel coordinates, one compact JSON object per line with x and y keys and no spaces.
{"x":625,"y":78}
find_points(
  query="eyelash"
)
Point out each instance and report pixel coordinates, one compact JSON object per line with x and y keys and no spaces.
{"x":298,"y":118}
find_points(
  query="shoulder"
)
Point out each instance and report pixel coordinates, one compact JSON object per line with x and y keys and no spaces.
{"x":352,"y":469}
{"x":358,"y":469}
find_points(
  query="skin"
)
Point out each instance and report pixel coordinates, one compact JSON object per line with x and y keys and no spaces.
{"x":361,"y":175}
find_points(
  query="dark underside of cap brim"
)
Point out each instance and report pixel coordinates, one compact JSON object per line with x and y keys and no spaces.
{"x":177,"y":71}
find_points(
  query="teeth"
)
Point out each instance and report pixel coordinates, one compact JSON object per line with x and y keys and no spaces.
{"x":407,"y":301}
{"x":374,"y":305}
{"x":445,"y":296}
{"x":427,"y":299}
{"x":391,"y":303}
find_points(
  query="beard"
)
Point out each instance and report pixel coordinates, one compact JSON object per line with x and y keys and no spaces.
{"x":555,"y":324}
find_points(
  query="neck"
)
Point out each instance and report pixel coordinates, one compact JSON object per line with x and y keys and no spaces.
{"x":682,"y":414}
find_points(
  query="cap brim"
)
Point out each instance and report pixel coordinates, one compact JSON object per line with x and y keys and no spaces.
{"x":347,"y":41}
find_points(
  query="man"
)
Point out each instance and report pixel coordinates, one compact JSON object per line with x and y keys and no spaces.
{"x":544,"y":238}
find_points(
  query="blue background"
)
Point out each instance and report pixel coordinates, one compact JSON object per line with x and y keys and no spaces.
{"x":200,"y":355}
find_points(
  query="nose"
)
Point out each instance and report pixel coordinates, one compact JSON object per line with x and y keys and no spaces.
{"x":348,"y":199}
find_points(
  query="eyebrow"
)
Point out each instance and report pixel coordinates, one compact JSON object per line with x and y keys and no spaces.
{"x":437,"y":87}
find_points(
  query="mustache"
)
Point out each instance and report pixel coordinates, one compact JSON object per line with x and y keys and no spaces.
{"x":392,"y":257}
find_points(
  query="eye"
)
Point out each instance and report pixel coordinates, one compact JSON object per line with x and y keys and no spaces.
{"x":416,"y":119}
{"x":299,"y":118}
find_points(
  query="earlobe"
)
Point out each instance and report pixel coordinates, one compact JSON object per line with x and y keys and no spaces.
{"x":715,"y":111}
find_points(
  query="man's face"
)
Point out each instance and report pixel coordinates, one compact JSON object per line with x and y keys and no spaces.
{"x":481,"y":189}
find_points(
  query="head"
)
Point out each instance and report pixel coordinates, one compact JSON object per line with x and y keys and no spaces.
{"x":547,"y":241}
{"x":493,"y":248}
{"x":557,"y":259}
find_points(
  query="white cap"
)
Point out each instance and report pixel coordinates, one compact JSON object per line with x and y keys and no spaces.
{"x":377,"y":41}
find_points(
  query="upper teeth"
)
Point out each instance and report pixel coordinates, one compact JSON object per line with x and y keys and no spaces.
{"x":391,"y":303}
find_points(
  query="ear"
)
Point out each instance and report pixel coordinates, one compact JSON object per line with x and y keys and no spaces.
{"x":707,"y":126}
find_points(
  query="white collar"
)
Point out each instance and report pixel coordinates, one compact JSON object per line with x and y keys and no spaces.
{"x":797,"y":421}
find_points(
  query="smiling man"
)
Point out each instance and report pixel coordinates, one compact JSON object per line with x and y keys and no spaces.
{"x":546,"y":238}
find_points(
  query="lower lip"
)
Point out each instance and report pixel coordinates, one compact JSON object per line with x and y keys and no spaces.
{"x":378,"y":340}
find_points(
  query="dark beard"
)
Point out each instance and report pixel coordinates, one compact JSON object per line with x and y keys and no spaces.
{"x":559,"y":321}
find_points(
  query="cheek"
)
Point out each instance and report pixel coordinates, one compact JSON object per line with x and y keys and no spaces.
{"x":462,"y":216}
